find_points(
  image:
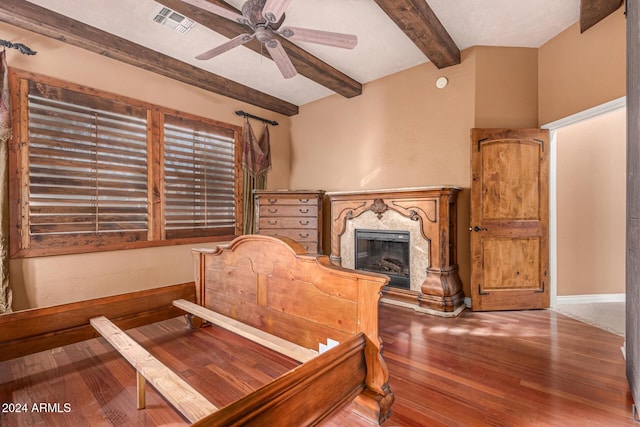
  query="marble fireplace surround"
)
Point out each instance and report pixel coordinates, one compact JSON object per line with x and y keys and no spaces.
{"x":419,"y":251}
{"x":429,"y":215}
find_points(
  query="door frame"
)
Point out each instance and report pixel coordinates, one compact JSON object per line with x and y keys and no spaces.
{"x":553,"y":214}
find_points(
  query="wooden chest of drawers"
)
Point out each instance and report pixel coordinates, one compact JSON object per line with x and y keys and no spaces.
{"x":294,"y":214}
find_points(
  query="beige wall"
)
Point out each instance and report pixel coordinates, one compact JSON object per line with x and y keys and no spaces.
{"x":46,"y":281}
{"x":403,"y":131}
{"x":577,"y":72}
{"x":591,"y":197}
{"x":506,"y":87}
{"x":580,"y":71}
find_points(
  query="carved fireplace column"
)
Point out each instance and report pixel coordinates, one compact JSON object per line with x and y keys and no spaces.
{"x":434,"y":209}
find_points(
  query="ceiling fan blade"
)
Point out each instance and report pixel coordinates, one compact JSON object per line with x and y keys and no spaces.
{"x":345,"y":41}
{"x":281,"y":58}
{"x":218,"y":10}
{"x":274,"y":9}
{"x":234,"y":42}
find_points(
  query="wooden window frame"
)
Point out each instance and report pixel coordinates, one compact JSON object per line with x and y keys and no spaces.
{"x":22,"y":245}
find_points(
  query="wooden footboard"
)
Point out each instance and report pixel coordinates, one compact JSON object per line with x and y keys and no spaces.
{"x":272,"y":284}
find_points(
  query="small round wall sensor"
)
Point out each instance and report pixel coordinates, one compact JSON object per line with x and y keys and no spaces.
{"x":442,"y":82}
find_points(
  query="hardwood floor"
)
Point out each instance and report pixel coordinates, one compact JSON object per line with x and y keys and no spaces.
{"x":528,"y":368}
{"x":525,"y":368}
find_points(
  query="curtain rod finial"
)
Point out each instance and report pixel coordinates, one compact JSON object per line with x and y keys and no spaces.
{"x":25,"y":50}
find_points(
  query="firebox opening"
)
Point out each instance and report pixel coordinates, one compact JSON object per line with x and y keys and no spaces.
{"x":386,"y":252}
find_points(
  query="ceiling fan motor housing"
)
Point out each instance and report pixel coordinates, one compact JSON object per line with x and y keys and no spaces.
{"x":263,"y":33}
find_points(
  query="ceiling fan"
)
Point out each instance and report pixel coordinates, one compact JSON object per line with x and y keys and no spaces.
{"x":265,"y":18}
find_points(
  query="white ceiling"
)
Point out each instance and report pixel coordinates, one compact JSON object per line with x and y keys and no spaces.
{"x":382,"y":49}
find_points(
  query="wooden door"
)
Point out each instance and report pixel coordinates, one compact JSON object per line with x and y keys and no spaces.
{"x":632,"y":334}
{"x":509,"y":219}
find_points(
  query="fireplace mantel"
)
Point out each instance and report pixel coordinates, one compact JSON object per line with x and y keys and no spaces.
{"x":431,"y":213}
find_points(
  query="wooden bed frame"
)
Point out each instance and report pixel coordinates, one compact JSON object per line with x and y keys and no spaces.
{"x":266,"y":289}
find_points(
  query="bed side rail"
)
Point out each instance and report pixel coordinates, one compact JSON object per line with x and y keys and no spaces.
{"x":30,"y":331}
{"x":305,"y":395}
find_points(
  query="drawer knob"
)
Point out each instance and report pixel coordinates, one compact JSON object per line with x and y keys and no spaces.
{"x":272,"y":200}
{"x":274,"y":222}
{"x":304,"y":222}
{"x":304,"y":210}
{"x":272,"y":210}
{"x":304,"y":236}
{"x":304,"y":200}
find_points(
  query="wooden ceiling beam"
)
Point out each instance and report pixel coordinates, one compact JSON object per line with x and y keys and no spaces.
{"x":594,"y":11}
{"x":45,"y":22}
{"x":423,"y":27}
{"x":305,"y":63}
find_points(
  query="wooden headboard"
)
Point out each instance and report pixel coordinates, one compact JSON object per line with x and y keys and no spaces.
{"x":272,"y":284}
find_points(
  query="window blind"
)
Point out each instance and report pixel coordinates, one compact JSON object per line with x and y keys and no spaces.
{"x":90,"y":172}
{"x":87,"y":167}
{"x":199,"y":178}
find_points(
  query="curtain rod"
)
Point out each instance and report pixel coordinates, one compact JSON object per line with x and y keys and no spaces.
{"x":251,"y":116}
{"x":22,"y":48}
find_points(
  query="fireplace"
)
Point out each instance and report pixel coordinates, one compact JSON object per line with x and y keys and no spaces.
{"x":386,"y":252}
{"x":426,"y":218}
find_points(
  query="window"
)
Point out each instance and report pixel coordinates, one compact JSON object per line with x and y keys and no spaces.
{"x":87,"y":169}
{"x":199,"y":179}
{"x":99,"y":172}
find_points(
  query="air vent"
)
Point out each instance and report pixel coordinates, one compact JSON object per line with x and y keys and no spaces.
{"x":172,"y":19}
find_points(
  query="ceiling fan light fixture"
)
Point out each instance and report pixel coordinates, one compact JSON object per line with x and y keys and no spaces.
{"x":263,"y":33}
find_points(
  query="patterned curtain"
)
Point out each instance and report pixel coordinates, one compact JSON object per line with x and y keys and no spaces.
{"x":256,"y":162}
{"x":5,"y":134}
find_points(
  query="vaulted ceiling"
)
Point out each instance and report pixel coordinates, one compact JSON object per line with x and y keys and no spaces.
{"x":393,"y":35}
